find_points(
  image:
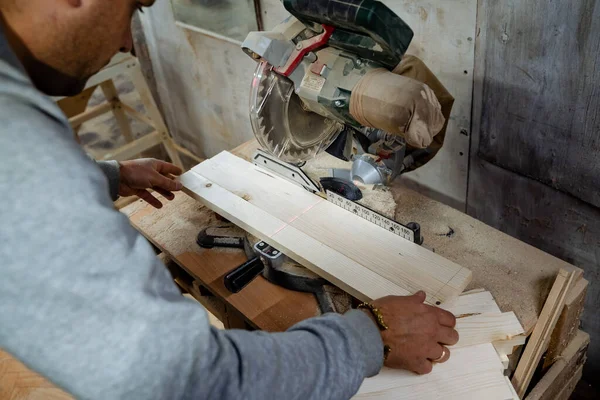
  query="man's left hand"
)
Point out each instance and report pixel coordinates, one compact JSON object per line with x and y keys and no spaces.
{"x":137,"y":176}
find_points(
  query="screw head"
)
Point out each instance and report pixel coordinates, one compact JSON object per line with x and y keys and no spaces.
{"x":338,"y":103}
{"x":299,"y":46}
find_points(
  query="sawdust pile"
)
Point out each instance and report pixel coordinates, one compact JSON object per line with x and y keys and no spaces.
{"x":378,"y":198}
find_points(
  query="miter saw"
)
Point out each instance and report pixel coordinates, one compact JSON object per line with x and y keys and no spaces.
{"x":309,"y":92}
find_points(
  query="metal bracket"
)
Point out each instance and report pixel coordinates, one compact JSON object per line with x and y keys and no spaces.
{"x":284,"y":170}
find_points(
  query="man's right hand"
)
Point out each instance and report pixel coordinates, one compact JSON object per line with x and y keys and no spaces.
{"x":417,"y":333}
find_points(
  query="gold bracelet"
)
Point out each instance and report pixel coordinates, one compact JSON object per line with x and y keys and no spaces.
{"x":386,"y":352}
{"x":380,"y":324}
{"x":376,"y":313}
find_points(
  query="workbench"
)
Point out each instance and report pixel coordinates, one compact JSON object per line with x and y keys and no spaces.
{"x":518,"y":275}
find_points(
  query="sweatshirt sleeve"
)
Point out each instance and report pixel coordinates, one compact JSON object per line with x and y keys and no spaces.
{"x":111,"y":170}
{"x":85,"y":301}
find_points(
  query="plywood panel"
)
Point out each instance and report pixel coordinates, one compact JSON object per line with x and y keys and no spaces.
{"x":444,"y":40}
{"x":203,"y":83}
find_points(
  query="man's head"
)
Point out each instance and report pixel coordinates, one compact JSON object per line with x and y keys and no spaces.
{"x":62,"y":43}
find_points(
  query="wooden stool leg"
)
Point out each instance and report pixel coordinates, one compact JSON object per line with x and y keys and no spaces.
{"x":112,"y":96}
{"x":154,"y":114}
{"x":76,"y":105}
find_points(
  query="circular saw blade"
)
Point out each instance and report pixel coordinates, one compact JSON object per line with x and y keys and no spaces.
{"x":280,"y":122}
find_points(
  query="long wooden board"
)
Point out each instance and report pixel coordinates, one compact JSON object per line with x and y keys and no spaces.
{"x":358,"y":256}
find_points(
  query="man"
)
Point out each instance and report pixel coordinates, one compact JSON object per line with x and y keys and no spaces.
{"x":83,"y":299}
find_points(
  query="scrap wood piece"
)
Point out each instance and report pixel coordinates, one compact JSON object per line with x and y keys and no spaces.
{"x":569,"y":387}
{"x":471,"y":372}
{"x":506,"y":347}
{"x":480,"y":302}
{"x":563,"y":370}
{"x":303,"y":217}
{"x":568,"y":322}
{"x":487,"y":328}
{"x":540,"y":337}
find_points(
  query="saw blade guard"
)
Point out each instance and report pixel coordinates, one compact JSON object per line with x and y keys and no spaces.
{"x":281,"y":123}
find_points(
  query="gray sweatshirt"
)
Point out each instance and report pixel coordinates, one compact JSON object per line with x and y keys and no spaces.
{"x":85,"y":302}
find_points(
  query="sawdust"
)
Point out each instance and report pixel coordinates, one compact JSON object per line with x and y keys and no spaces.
{"x":518,"y":275}
{"x":377,"y":198}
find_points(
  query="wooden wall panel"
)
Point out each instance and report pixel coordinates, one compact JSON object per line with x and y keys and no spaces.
{"x":540,"y":115}
{"x":524,"y":67}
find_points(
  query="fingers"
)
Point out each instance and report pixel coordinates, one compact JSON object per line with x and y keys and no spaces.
{"x":445,"y":318}
{"x":423,"y":367}
{"x":439,"y":354}
{"x":165,"y":193}
{"x":165,"y":168}
{"x":447,"y":336}
{"x":147,"y":197}
{"x":162,"y":182}
{"x":419,"y":297}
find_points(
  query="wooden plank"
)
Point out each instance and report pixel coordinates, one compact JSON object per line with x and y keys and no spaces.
{"x":541,"y":334}
{"x":569,"y":388}
{"x":112,"y":96}
{"x":294,"y":210}
{"x":506,"y":347}
{"x":187,"y":153}
{"x":472,"y":372}
{"x":135,"y":114}
{"x":568,"y":322}
{"x":473,"y":303}
{"x":487,"y":328}
{"x":294,"y":243}
{"x":563,"y":370}
{"x":131,"y":149}
{"x":515,"y":396}
{"x":92,"y":113}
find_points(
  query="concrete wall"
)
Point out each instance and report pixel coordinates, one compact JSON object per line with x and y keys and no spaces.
{"x":203,"y":82}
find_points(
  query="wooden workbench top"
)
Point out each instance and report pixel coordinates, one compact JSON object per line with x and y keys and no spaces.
{"x":518,"y":275}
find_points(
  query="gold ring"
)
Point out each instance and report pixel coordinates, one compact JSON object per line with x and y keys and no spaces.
{"x":440,"y":357}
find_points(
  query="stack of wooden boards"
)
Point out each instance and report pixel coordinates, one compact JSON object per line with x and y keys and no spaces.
{"x":566,"y":288}
{"x":475,"y":369}
{"x":368,"y":262}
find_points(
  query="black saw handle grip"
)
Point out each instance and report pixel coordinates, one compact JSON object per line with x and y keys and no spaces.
{"x":240,"y":277}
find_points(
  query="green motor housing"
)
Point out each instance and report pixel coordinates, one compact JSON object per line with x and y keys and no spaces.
{"x":367,"y":28}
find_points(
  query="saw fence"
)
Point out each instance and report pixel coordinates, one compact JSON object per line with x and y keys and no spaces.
{"x":530,"y":294}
